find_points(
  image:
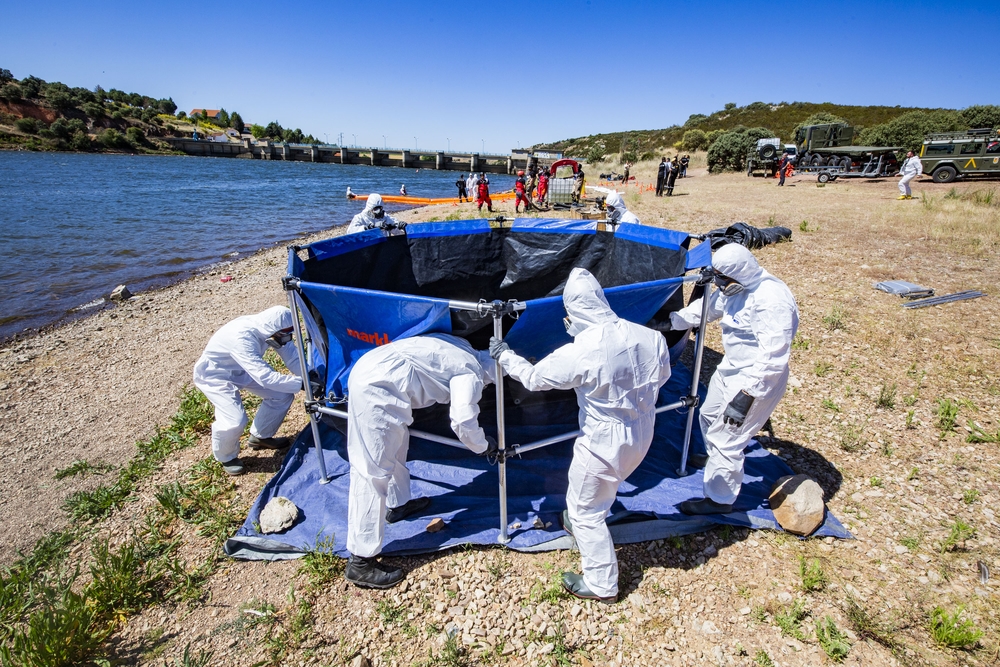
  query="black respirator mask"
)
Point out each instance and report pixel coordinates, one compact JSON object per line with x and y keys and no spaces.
{"x":378,"y":212}
{"x":279,"y":339}
{"x":614,"y":214}
{"x":727,"y":285}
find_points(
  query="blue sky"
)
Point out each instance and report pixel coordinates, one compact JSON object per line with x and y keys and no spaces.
{"x":502,"y":74}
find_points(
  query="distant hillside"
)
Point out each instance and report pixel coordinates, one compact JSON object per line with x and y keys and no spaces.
{"x":781,"y":119}
{"x":41,"y":115}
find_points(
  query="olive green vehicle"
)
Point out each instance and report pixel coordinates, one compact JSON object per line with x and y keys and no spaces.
{"x":949,"y":155}
{"x":827,"y":149}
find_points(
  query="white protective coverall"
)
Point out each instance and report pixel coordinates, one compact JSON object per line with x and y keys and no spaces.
{"x":234,"y":360}
{"x":616,"y":368}
{"x":615,"y":199}
{"x":912,"y":168}
{"x":758,"y":326}
{"x":385,"y":386}
{"x":366,"y":216}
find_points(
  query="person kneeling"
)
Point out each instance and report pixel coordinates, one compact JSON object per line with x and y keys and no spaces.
{"x":385,"y":386}
{"x":616,"y":368}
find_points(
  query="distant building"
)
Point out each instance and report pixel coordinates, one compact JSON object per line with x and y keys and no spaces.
{"x":211,"y":114}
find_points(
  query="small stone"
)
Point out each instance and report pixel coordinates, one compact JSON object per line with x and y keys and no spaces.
{"x":278,"y":515}
{"x":784,"y":597}
{"x":745,"y":611}
{"x":708,"y":627}
{"x":435,"y":525}
{"x":121,"y":293}
{"x":360,"y":661}
{"x":575,"y":611}
{"x":797,"y":503}
{"x":538,"y":523}
{"x":900,"y":549}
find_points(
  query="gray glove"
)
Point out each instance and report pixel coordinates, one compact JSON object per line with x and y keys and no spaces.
{"x":736,"y":411}
{"x":497,"y":347}
{"x":370,"y":225}
{"x":401,"y":226}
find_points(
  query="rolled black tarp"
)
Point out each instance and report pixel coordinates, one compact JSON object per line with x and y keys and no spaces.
{"x":748,"y":235}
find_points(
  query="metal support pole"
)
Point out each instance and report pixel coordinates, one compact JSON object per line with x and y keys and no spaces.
{"x":699,"y":349}
{"x":498,"y":312}
{"x":290,"y":285}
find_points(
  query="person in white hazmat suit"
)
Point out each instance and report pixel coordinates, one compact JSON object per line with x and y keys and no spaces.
{"x":912,"y":167}
{"x":617,"y":211}
{"x":385,"y":386}
{"x":373,"y":216}
{"x":759,"y":319}
{"x":234,"y":360}
{"x":616,"y":368}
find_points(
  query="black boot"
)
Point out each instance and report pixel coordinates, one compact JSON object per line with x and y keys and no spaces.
{"x":256,"y":443}
{"x":369,"y":573}
{"x":704,"y":506}
{"x":408,"y":509}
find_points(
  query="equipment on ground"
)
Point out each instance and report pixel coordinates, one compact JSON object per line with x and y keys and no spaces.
{"x":950,"y":155}
{"x":944,"y":298}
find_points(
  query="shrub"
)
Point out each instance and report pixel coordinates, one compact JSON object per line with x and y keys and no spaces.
{"x":10,"y":92}
{"x":31,"y":86}
{"x":26,"y":125}
{"x":112,"y":138}
{"x":981,"y":115}
{"x":729,"y":151}
{"x":6,"y":76}
{"x":820,"y":118}
{"x":237,"y":122}
{"x":80,"y":141}
{"x":832,"y":640}
{"x":93,"y":110}
{"x":181,"y":115}
{"x":694,"y":119}
{"x":694,"y":140}
{"x":596,"y":153}
{"x":951,"y":630}
{"x":909,"y":130}
{"x":135,"y":136}
{"x":258,"y":131}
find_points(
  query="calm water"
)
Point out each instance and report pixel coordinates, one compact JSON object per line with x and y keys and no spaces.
{"x":72,"y":226}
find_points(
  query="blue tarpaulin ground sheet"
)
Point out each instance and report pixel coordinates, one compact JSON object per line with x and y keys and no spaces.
{"x":464,"y":491}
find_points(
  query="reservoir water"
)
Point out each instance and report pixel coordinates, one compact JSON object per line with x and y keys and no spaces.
{"x":72,"y":226}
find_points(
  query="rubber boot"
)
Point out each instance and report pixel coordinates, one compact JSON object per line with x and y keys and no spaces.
{"x":233,"y":468}
{"x":704,"y":506}
{"x":567,"y":526}
{"x":370,"y":573}
{"x":574,"y":585}
{"x":268,"y":443}
{"x":412,"y":507}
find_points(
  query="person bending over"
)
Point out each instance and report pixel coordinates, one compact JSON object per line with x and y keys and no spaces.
{"x":618,"y":213}
{"x":385,"y":386}
{"x":616,"y":368}
{"x":373,"y":216}
{"x":234,"y":360}
{"x":759,"y":319}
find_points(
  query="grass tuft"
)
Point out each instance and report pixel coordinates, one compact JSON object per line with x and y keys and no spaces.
{"x":979,"y":436}
{"x":81,"y":467}
{"x":886,"y":397}
{"x":836,"y":319}
{"x":811,"y":574}
{"x":832,"y":640}
{"x":958,"y":534}
{"x":947,"y":414}
{"x":790,"y":619}
{"x":762,"y":659}
{"x":951,"y":630}
{"x":867,"y":626}
{"x":321,"y":566}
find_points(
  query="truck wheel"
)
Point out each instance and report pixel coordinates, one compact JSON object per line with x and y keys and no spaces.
{"x":846,"y":163}
{"x":945,"y":174}
{"x":817,"y":161}
{"x":833,"y":160}
{"x":823,"y":178}
{"x":768,"y":151}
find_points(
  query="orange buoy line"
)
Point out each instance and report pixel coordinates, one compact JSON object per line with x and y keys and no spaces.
{"x":399,"y":199}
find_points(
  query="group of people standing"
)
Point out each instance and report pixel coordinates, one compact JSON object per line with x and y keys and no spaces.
{"x":476,"y":184}
{"x":668,"y":172}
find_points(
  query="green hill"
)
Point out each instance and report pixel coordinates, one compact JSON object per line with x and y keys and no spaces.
{"x":781,"y":119}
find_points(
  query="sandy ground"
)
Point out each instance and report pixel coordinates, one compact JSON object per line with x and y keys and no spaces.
{"x":90,"y":389}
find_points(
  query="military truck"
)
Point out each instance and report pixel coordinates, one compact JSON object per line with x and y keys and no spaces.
{"x":949,"y":155}
{"x":766,"y":156}
{"x":828,"y":151}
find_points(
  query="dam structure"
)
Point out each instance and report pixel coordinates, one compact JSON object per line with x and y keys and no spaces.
{"x":494,"y":163}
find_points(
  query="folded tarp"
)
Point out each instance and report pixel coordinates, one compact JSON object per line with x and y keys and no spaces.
{"x":464,"y":489}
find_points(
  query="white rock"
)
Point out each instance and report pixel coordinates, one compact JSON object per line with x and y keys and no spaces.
{"x":278,"y":515}
{"x":797,"y":503}
{"x":121,"y":293}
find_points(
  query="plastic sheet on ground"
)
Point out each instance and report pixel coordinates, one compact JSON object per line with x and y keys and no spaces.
{"x":464,"y":490}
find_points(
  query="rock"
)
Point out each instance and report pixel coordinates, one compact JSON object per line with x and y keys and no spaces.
{"x":121,"y":293}
{"x":278,"y":515}
{"x":797,"y":503}
{"x":435,"y":525}
{"x":360,"y":661}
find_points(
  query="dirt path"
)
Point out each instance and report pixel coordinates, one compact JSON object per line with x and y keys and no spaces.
{"x":863,"y":417}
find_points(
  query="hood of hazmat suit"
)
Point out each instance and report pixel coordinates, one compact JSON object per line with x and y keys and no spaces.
{"x":367,"y":216}
{"x":758,"y":324}
{"x":385,"y":386}
{"x":235,"y":354}
{"x":622,"y":214}
{"x":616,"y":368}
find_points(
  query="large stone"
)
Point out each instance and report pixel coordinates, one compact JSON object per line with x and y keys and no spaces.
{"x":121,"y":293}
{"x":360,"y":661}
{"x":797,"y":503}
{"x":435,"y":525}
{"x":278,"y":515}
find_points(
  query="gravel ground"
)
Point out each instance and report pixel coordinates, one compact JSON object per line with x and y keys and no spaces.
{"x":90,"y":389}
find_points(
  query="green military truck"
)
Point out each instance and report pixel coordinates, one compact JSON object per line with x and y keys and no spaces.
{"x":766,"y":156}
{"x":949,"y":155}
{"x":827,"y":150}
